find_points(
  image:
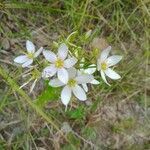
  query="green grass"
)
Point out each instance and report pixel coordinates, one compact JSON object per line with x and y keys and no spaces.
{"x":115,"y":117}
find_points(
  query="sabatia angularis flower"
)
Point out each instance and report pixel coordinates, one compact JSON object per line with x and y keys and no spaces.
{"x":104,"y":62}
{"x":90,"y":70}
{"x":59,"y":63}
{"x":72,"y":86}
{"x":27,"y":59}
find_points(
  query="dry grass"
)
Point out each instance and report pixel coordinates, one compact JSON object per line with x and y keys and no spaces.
{"x":115,"y":117}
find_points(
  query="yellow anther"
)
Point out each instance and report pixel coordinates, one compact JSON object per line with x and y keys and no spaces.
{"x":30,"y":55}
{"x":59,"y":63}
{"x":72,"y":83}
{"x":103,"y":66}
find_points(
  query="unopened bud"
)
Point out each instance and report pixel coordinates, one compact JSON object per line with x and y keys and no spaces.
{"x":88,"y":34}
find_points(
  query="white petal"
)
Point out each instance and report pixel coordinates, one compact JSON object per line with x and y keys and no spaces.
{"x":104,"y":78}
{"x":112,"y":74}
{"x":62,"y":75}
{"x":33,"y":85}
{"x":63,"y":51}
{"x":27,"y":63}
{"x":72,"y":72}
{"x":70,"y":62}
{"x":30,"y":47}
{"x":80,"y":72}
{"x":91,"y":69}
{"x":86,"y":78}
{"x":105,"y":53}
{"x":95,"y":82}
{"x":21,"y":59}
{"x":55,"y":83}
{"x":85,"y":87}
{"x":49,"y":71}
{"x":66,"y":95}
{"x":37,"y":53}
{"x":50,"y":56}
{"x":113,"y":60}
{"x":79,"y":93}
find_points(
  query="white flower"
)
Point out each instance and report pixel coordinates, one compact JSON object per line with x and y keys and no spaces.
{"x":72,"y":86}
{"x":59,"y":63}
{"x":90,"y":70}
{"x":27,"y":59}
{"x":104,"y":63}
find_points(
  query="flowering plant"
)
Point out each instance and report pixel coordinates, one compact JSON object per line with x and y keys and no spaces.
{"x":66,"y":70}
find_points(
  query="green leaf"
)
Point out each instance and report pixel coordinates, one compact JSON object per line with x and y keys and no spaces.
{"x":78,"y":113}
{"x":49,"y":94}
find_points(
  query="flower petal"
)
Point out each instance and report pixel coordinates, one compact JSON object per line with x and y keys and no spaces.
{"x":50,"y":56}
{"x":21,"y":59}
{"x":104,"y":78}
{"x":30,"y":47}
{"x":66,"y":95}
{"x":55,"y":83}
{"x":94,"y":81}
{"x":49,"y":71}
{"x":91,"y":69}
{"x":63,"y":51}
{"x":70,"y":62}
{"x":79,"y":93}
{"x":105,"y":53}
{"x":86,"y":78}
{"x":113,"y":60}
{"x":85,"y":87}
{"x":80,"y":72}
{"x":112,"y":74}
{"x":72,"y":72}
{"x":62,"y":75}
{"x":37,"y":53}
{"x":27,"y":63}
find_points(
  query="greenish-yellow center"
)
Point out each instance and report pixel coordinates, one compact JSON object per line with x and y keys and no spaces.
{"x":103,"y":66}
{"x":59,"y":63}
{"x":72,"y":83}
{"x":30,"y":55}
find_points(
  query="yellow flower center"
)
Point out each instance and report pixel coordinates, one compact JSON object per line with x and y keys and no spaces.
{"x":59,"y":63}
{"x":30,"y":55}
{"x":72,"y":83}
{"x":103,"y":66}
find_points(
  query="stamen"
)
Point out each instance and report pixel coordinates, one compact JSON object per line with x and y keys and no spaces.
{"x":103,"y":66}
{"x":72,"y":83}
{"x":30,"y":55}
{"x":59,"y":63}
